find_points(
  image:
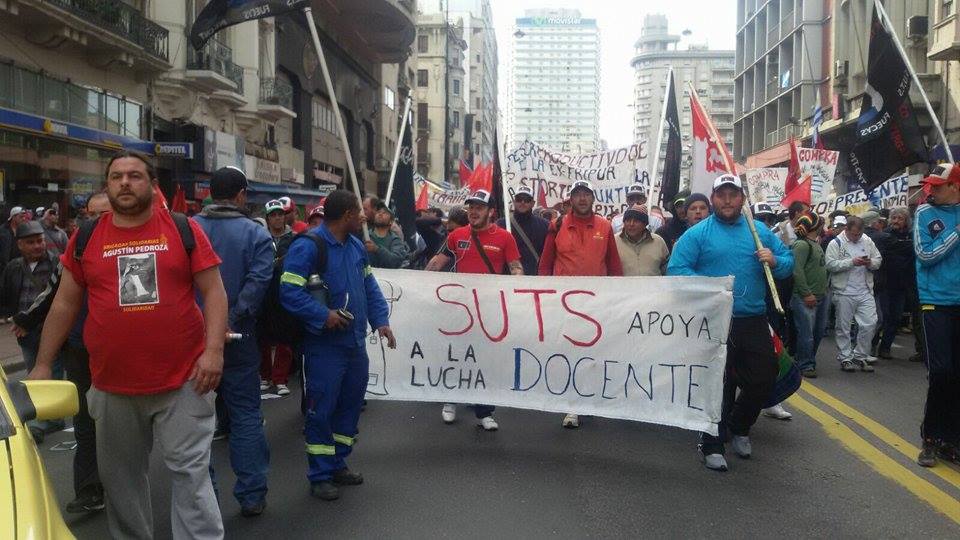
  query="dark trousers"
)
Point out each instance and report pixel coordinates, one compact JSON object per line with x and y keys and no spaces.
{"x":891,"y":303}
{"x":76,"y":361}
{"x":941,"y":415}
{"x":751,"y":367}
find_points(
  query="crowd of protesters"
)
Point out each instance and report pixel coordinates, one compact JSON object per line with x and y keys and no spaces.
{"x":247,"y":298}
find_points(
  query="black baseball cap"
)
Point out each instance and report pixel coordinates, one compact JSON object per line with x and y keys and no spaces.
{"x":227,"y":182}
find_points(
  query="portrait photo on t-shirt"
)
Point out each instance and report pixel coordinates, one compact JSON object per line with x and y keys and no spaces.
{"x":138,"y":279}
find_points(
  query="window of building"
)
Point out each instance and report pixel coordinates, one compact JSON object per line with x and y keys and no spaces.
{"x":422,"y":78}
{"x":389,"y":98}
{"x":422,"y":116}
{"x":456,"y":119}
{"x":423,"y":44}
{"x":478,"y":103}
{"x":456,"y":87}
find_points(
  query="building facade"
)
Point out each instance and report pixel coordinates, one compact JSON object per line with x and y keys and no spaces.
{"x":710,"y":72}
{"x":555,"y":81}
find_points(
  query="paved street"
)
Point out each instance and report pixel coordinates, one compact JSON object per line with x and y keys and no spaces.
{"x":843,"y":467}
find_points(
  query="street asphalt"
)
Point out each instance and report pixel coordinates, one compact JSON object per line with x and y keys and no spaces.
{"x":829,"y":472}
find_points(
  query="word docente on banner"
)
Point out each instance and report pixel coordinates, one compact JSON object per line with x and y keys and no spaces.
{"x":650,"y":349}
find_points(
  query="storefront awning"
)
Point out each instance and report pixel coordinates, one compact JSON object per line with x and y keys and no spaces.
{"x":40,"y":125}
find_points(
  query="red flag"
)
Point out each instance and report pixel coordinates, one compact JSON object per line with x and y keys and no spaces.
{"x":710,"y":155}
{"x":796,"y":188}
{"x":542,"y":194}
{"x":799,"y":193}
{"x":422,"y":200}
{"x":179,"y":201}
{"x":159,"y":201}
{"x":482,"y":178}
{"x":466,"y":173}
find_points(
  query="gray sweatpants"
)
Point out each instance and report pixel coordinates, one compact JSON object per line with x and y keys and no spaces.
{"x":861,"y":308}
{"x":182,"y":422}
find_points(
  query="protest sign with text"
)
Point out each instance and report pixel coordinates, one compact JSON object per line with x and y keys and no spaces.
{"x":893,"y":192}
{"x":610,"y":172}
{"x":767,"y":185}
{"x":821,"y":165}
{"x":560,"y":344}
{"x":438,"y":197}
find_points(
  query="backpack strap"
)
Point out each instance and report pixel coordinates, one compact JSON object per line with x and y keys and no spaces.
{"x":186,"y":232}
{"x":84,"y":232}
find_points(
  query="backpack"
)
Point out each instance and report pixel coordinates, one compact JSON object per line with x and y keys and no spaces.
{"x":86,"y":228}
{"x":275,"y":323}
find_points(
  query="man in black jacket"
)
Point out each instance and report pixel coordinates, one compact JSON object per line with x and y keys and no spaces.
{"x":899,"y":269}
{"x":528,"y":230}
{"x":8,"y":235}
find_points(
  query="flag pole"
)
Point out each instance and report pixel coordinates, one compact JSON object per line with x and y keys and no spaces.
{"x":308,"y":13}
{"x":655,"y":154}
{"x":731,"y":166}
{"x":396,"y":154}
{"x":916,"y":80}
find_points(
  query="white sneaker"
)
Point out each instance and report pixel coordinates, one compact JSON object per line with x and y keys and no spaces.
{"x":449,"y":413}
{"x":571,"y":421}
{"x":870,"y":359}
{"x":282,"y":390}
{"x":741,"y":446}
{"x":778,"y":412}
{"x":264,"y":385}
{"x":489,"y":424}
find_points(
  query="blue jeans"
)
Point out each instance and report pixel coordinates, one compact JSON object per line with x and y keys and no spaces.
{"x":811,"y":324}
{"x":892,"y":302}
{"x":240,"y":391}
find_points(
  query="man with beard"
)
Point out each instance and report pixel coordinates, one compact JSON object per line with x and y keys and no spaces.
{"x":246,"y":250}
{"x":899,"y":266}
{"x":385,"y":248}
{"x":580,"y":244}
{"x":722,"y":245}
{"x":676,"y":225}
{"x":153,"y":364}
{"x":479,"y":248}
{"x":528,"y":230}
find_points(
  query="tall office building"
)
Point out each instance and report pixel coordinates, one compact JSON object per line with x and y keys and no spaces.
{"x":555,"y":81}
{"x":710,"y":72}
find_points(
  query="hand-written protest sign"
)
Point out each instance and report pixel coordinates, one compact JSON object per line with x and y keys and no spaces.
{"x":889,"y":194}
{"x":821,"y":165}
{"x":767,"y":185}
{"x":610,"y":173}
{"x":563,"y":344}
{"x":444,"y":199}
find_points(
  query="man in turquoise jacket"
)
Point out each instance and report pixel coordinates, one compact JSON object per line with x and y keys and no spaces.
{"x":334,"y":343}
{"x":722,"y":245}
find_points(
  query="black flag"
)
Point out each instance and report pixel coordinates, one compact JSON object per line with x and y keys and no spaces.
{"x":888,"y":136}
{"x":219,"y":14}
{"x":404,"y":199}
{"x":670,"y":184}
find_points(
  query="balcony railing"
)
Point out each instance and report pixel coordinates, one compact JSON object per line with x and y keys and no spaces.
{"x":123,"y":20}
{"x":275,"y":91}
{"x":218,"y":58}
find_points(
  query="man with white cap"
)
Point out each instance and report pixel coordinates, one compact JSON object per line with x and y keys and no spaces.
{"x":581,"y":243}
{"x":636,"y":196}
{"x":8,"y":235}
{"x":723,"y":245}
{"x":528,"y":230}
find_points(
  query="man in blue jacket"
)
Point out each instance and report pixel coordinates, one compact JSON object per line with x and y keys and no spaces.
{"x":334,"y":343}
{"x":247,"y":253}
{"x":722,"y":245}
{"x":936,"y":239}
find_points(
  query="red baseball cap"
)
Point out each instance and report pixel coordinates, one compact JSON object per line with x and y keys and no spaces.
{"x":943,"y":174}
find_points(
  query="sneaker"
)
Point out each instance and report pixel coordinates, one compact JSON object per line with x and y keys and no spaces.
{"x":778,"y":412}
{"x":489,"y":424}
{"x":253,"y":510}
{"x":848,"y":366}
{"x":346,"y":477}
{"x":810,"y":373}
{"x":264,"y":385}
{"x":282,"y":390}
{"x":714,"y":462}
{"x":91,"y":501}
{"x":741,"y":446}
{"x":928,"y":456}
{"x":864,"y":364}
{"x":571,"y":421}
{"x":870,"y":359}
{"x":325,"y":490}
{"x":449,"y":413}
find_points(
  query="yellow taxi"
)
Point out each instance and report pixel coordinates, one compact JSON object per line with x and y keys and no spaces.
{"x":28,"y":505}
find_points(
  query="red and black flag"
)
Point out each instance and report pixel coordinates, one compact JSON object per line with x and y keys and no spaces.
{"x":220,"y":14}
{"x":888,"y":136}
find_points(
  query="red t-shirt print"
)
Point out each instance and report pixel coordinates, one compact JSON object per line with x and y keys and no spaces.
{"x":500,"y":246}
{"x":144,"y":330}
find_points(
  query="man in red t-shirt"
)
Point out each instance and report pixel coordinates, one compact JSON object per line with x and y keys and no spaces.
{"x":154,"y":357}
{"x":580,"y":243}
{"x":463,"y":248}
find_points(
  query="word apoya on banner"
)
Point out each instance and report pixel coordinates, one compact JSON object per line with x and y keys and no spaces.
{"x":553,"y":173}
{"x":563,"y":344}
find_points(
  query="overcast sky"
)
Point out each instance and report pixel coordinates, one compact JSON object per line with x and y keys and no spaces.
{"x":711,"y":21}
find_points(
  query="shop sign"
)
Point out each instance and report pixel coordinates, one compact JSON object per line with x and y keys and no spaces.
{"x":222,"y":150}
{"x":46,"y":126}
{"x":267,"y":171}
{"x":177,"y":150}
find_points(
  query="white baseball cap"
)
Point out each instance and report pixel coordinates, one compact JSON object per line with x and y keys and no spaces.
{"x":479,"y":196}
{"x":727,"y":180}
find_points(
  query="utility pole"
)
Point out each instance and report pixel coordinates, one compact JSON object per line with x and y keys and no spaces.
{"x":446,"y":91}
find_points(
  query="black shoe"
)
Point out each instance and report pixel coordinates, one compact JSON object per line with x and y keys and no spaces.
{"x":810,"y":373}
{"x":91,"y":501}
{"x":325,"y":491}
{"x":928,"y":456}
{"x":916,"y":358}
{"x":885,"y":354}
{"x":949,"y":452}
{"x":254,"y":510}
{"x":346,"y":477}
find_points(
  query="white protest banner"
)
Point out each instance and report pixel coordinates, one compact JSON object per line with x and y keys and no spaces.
{"x":441,"y":198}
{"x":610,"y":172}
{"x":560,"y":344}
{"x":767,"y":185}
{"x":821,"y":165}
{"x":893,"y":192}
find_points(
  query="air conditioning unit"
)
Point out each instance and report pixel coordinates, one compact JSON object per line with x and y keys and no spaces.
{"x":918,"y":27}
{"x":840,"y":69}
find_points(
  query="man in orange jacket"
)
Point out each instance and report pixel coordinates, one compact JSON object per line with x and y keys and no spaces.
{"x":580,"y":243}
